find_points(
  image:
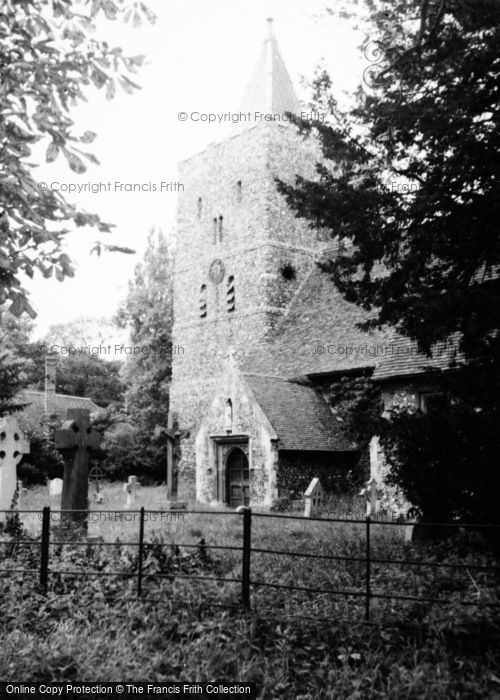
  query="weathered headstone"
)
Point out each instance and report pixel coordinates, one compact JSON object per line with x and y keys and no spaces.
{"x":174,"y":436}
{"x":371,"y":492}
{"x":55,"y":487}
{"x":313,"y":498}
{"x":12,"y":448}
{"x":18,"y":496}
{"x":130,"y":489}
{"x":74,"y":440}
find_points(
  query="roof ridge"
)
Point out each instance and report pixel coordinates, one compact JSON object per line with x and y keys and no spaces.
{"x":265,"y":376}
{"x":69,"y":396}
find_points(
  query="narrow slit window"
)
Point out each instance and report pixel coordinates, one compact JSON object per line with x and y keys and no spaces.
{"x":230,"y":294}
{"x":221,"y":221}
{"x":200,"y":207}
{"x":239,"y":191}
{"x":203,"y":301}
{"x":214,"y":231}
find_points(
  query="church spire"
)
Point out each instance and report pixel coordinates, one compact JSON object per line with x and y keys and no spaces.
{"x":270,"y":91}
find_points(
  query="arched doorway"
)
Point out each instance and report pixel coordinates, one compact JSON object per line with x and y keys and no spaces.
{"x":238,"y":478}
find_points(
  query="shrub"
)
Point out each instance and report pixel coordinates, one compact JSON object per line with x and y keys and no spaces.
{"x":445,"y":461}
{"x":43,"y":461}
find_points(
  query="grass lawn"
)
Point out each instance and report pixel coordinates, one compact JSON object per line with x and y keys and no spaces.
{"x":293,"y":644}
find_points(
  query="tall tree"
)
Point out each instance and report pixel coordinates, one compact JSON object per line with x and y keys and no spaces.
{"x":409,"y":189}
{"x":411,"y":178}
{"x":15,"y":363}
{"x":48,"y":60}
{"x":148,"y":312}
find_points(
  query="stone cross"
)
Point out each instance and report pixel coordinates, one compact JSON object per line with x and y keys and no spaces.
{"x":313,"y":497}
{"x":12,"y":448}
{"x":130,"y":488}
{"x":95,"y":474}
{"x":74,"y":440}
{"x":173,"y":457}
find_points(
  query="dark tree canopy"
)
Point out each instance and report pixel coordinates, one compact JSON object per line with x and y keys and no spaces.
{"x":409,"y":189}
{"x":48,"y":61}
{"x":411,"y":178}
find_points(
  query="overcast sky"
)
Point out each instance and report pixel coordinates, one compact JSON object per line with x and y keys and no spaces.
{"x":200,"y":55}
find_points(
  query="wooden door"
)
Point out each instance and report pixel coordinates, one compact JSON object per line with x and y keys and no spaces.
{"x":238,"y":478}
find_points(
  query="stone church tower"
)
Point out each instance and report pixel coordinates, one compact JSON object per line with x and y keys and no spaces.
{"x":241,"y":254}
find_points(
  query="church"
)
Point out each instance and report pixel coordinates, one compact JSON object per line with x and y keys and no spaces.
{"x":264,"y":331}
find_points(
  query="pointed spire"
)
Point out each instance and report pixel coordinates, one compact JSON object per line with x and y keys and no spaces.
{"x":270,"y":91}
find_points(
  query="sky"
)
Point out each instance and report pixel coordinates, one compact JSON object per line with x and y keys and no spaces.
{"x":199,"y":56}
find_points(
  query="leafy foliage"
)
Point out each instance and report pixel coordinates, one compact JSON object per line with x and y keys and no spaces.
{"x":409,"y":189}
{"x":97,"y":625}
{"x":445,"y":461}
{"x":134,"y":442}
{"x":432,"y":122}
{"x":43,"y":461}
{"x":341,"y":474}
{"x":15,"y":366}
{"x":357,"y":405}
{"x":48,"y":60}
{"x":125,"y":449}
{"x":148,"y":313}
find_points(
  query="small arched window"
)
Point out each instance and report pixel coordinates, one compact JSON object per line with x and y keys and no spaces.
{"x":200,"y":207}
{"x":230,"y":294}
{"x":203,"y":301}
{"x":221,"y":220}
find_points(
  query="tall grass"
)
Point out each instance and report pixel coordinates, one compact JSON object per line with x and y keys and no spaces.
{"x":95,"y":628}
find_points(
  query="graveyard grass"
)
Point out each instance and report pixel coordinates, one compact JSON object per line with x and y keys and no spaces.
{"x":293,"y":645}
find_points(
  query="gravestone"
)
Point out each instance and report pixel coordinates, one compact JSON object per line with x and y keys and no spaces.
{"x":20,"y":491}
{"x":313,"y":498}
{"x":12,"y":448}
{"x":96,"y":475}
{"x":371,"y":493}
{"x":55,"y":487}
{"x":130,"y":489}
{"x":74,"y":440}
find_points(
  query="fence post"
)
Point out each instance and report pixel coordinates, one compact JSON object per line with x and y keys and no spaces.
{"x":141,"y":552}
{"x":367,"y":602}
{"x":245,"y":569}
{"x":44,"y":548}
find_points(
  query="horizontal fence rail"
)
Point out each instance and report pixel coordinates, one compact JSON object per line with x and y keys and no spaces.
{"x":364,"y":595}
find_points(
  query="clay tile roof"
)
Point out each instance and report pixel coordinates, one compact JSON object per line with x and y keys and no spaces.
{"x":404,"y":359}
{"x":319,"y":336}
{"x":63,"y":401}
{"x":300,"y":416}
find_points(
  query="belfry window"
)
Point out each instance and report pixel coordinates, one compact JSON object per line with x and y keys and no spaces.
{"x":230,"y":294}
{"x":203,"y":301}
